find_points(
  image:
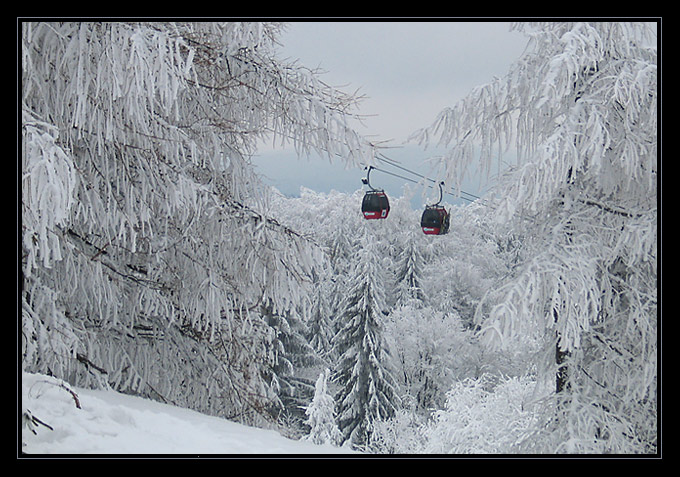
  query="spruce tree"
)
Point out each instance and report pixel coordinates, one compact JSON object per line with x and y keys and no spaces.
{"x":320,"y":326}
{"x":366,"y":387}
{"x":321,"y":414}
{"x":408,"y":280}
{"x":291,"y":355}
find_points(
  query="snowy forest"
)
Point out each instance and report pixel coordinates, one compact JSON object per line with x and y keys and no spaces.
{"x":154,"y":260}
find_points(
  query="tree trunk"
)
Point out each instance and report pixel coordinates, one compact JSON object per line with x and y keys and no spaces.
{"x":561,"y":375}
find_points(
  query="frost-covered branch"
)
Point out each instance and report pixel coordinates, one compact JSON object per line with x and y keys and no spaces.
{"x":580,"y":109}
{"x":140,"y":204}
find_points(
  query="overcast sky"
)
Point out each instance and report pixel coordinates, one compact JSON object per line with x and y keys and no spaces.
{"x":409,"y":72}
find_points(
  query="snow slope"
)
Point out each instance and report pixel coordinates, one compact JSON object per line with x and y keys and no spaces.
{"x":112,"y":423}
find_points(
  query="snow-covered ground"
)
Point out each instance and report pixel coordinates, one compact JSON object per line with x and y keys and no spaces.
{"x":112,"y":423}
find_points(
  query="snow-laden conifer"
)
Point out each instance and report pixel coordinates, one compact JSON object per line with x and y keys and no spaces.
{"x":321,"y":414}
{"x":321,"y":320}
{"x":366,"y":385}
{"x":409,"y":274}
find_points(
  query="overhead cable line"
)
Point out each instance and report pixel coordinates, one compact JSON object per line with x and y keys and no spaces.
{"x":417,"y":182}
{"x":386,"y":160}
{"x":392,"y":162}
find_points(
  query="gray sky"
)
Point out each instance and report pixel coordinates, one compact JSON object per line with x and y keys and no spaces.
{"x":409,"y":72}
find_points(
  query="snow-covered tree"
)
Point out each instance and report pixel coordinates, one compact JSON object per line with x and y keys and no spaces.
{"x":581,"y":107}
{"x":291,"y":356}
{"x":484,"y":415}
{"x":462,"y":265}
{"x":430,"y":350}
{"x":321,"y":320}
{"x":366,"y":385}
{"x":146,"y":253}
{"x":409,"y":272}
{"x":321,"y":414}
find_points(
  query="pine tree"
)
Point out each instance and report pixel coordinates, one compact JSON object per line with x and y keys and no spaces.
{"x":366,"y":386}
{"x":321,"y":414}
{"x":581,"y":104}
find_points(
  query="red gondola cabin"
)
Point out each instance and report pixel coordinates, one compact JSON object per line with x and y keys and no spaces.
{"x":435,"y":220}
{"x":375,"y":205}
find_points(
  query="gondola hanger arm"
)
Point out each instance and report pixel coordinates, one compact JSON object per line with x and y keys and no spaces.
{"x":366,"y":180}
{"x":441,"y":193}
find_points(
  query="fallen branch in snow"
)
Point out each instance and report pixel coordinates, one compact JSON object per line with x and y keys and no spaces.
{"x":32,"y":422}
{"x":72,"y":393}
{"x":65,"y":388}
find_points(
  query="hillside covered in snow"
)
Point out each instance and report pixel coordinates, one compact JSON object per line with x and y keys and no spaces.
{"x":107,"y":422}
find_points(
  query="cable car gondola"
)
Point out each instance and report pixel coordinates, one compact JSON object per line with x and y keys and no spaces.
{"x":375,"y":204}
{"x":435,"y":218}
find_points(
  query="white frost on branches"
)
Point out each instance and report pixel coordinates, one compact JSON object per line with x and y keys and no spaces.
{"x":580,"y":110}
{"x":142,"y":217}
{"x":48,"y":184}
